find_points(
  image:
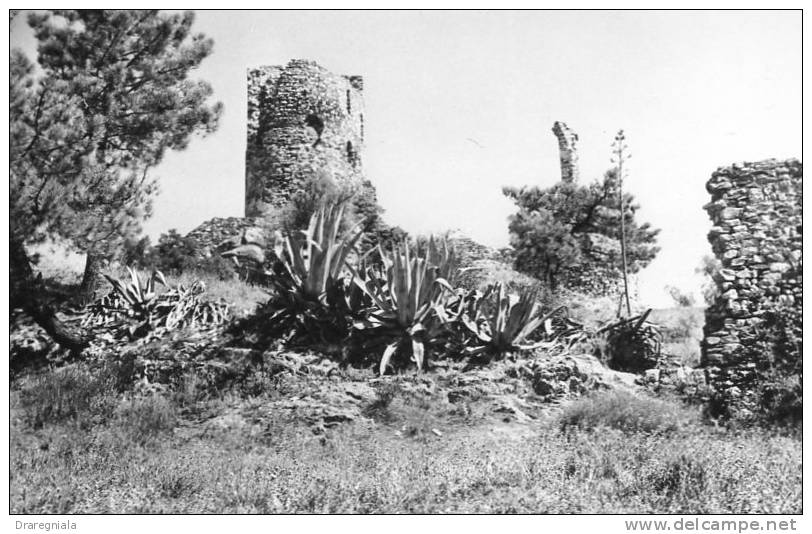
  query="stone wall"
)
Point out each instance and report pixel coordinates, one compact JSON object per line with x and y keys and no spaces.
{"x":756,"y":213}
{"x":302,"y":120}
{"x":598,"y":274}
{"x":218,"y":235}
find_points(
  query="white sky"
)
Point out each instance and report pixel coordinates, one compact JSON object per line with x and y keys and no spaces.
{"x":692,"y":90}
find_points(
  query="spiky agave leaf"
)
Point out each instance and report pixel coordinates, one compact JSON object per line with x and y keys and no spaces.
{"x":407,"y":294}
{"x":138,"y":300}
{"x":510,"y":323}
{"x":309,"y":278}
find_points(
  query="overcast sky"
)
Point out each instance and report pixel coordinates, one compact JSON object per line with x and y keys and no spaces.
{"x":459,"y":104}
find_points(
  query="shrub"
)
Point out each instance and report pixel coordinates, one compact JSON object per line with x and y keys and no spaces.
{"x":624,"y":411}
{"x":633,"y":344}
{"x":135,"y":251}
{"x":216,"y":266}
{"x":175,"y":254}
{"x":779,"y":345}
{"x":681,"y":299}
{"x":379,"y":409}
{"x":317,"y":191}
{"x":482,"y":273}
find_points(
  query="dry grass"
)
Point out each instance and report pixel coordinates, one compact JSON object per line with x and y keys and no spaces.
{"x":80,"y":445}
{"x":624,"y":411}
{"x":151,"y":453}
{"x":242,"y":297}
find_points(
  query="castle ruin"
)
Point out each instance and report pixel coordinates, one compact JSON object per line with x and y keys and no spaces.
{"x":568,"y":150}
{"x":303,"y":123}
{"x":598,"y":275}
{"x":302,"y":119}
{"x":756,"y":210}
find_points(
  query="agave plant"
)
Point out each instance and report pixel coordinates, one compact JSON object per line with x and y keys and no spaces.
{"x":138,"y":302}
{"x":136,"y":298}
{"x":186,"y":307}
{"x":633,"y":344}
{"x":508,"y":325}
{"x":309,"y":278}
{"x":407,"y":294}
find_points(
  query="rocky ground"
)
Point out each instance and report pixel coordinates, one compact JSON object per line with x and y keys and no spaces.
{"x":200,"y":420}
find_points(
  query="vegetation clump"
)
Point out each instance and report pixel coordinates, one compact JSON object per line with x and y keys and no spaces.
{"x":405,"y":304}
{"x":627,"y":412}
{"x":136,"y":308}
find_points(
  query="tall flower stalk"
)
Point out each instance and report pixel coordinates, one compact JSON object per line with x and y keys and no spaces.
{"x":619,"y":149}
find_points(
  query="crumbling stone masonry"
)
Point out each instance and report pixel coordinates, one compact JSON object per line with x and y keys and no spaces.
{"x":302,"y":120}
{"x":756,"y":213}
{"x":568,"y":150}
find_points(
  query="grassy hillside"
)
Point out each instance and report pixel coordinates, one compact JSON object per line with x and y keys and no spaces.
{"x":247,"y":432}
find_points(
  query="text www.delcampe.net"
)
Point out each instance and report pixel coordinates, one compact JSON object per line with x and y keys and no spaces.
{"x":712,"y":525}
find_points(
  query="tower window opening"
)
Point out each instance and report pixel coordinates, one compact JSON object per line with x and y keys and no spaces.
{"x":349,"y":103}
{"x":315,"y":122}
{"x":352,"y":156}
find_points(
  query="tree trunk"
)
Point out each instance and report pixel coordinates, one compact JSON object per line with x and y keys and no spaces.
{"x":25,"y":293}
{"x":91,"y":280}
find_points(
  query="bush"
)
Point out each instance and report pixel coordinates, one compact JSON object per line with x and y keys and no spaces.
{"x":135,"y":251}
{"x":485,"y":272}
{"x":627,"y":412}
{"x":780,"y":339}
{"x":681,"y":299}
{"x":633,"y":345}
{"x":176,"y":254}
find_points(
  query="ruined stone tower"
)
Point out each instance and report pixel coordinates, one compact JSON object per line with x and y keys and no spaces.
{"x":302,"y":120}
{"x":756,"y":210}
{"x":567,"y":141}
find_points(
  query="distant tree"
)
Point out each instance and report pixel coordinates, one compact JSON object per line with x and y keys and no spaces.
{"x":548,"y":231}
{"x":173,"y":254}
{"x":110,"y":97}
{"x":127,"y":73}
{"x":709,"y":267}
{"x":135,"y":250}
{"x":545,"y":246}
{"x":681,"y":299}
